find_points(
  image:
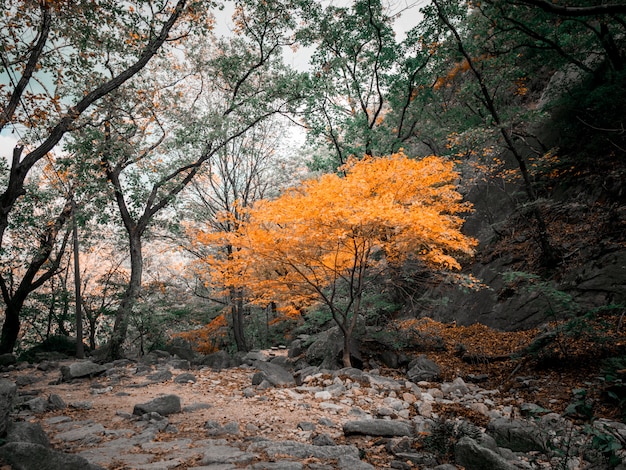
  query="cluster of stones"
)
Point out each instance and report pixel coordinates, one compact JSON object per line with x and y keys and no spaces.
{"x":395,"y":412}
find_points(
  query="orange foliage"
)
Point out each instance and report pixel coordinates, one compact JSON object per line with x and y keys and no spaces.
{"x":206,"y":339}
{"x":333,"y":229}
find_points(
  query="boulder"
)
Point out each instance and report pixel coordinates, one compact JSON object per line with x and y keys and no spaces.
{"x":29,"y":456}
{"x":23,"y":431}
{"x":217,"y":361}
{"x":81,"y":369}
{"x":253,"y":356}
{"x":423,"y":369}
{"x":181,"y":348}
{"x":327,"y":350}
{"x":8,"y":392}
{"x":185,"y":378}
{"x":378,"y":427}
{"x":516,"y":434}
{"x":274,"y":374}
{"x":36,"y":405}
{"x":164,"y":405}
{"x":472,"y":456}
{"x":163,"y":375}
{"x":7,"y":359}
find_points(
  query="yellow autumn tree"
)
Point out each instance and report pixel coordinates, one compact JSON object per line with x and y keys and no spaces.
{"x":318,"y":241}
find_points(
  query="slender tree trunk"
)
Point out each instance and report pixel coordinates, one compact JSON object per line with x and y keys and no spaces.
{"x":238,"y":327}
{"x":347,"y":340}
{"x":122,"y":317}
{"x":550,"y":255}
{"x":92,"y":332}
{"x":80,"y":348}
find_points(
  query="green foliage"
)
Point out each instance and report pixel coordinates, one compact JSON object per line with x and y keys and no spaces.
{"x":614,"y":375}
{"x":605,"y":442}
{"x":316,"y":320}
{"x":581,"y":406}
{"x":590,"y":118}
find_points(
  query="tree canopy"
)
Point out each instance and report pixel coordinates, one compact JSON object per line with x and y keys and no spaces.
{"x":322,"y":240}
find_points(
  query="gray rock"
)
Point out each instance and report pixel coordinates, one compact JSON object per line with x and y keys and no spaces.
{"x":24,"y":380}
{"x":160,"y":376}
{"x":164,"y":405}
{"x":217,"y":361}
{"x":222,"y":454}
{"x":55,"y":402}
{"x":350,"y":372}
{"x":36,"y":405}
{"x":23,"y":431}
{"x":303,"y":451}
{"x":28,"y":456}
{"x":378,"y":427}
{"x":296,"y":348}
{"x":473,"y":456}
{"x":517,"y":435}
{"x":275,"y":374}
{"x":385,"y":383}
{"x":216,"y":429}
{"x":423,"y":369}
{"x":181,"y":348}
{"x":456,"y":387}
{"x":277,"y":466}
{"x":81,"y":369}
{"x":282,"y":361}
{"x":8,"y":392}
{"x":326,"y":350}
{"x":306,"y":426}
{"x":421,"y":459}
{"x":323,"y":440}
{"x":253,"y":356}
{"x":89,"y":434}
{"x":347,"y":462}
{"x":81,"y":405}
{"x":196,"y":407}
{"x":181,"y":364}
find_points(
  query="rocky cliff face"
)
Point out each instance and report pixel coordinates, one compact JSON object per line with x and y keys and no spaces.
{"x":586,"y":218}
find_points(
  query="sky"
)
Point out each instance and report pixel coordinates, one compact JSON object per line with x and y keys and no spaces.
{"x":408,"y":17}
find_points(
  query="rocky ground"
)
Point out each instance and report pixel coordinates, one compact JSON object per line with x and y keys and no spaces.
{"x":472,"y":407}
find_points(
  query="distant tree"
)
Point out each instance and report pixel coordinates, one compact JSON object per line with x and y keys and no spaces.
{"x":485,"y":91}
{"x":248,"y":169}
{"x":53,"y":69}
{"x":320,"y":241}
{"x":363,"y":82}
{"x":154,"y":135}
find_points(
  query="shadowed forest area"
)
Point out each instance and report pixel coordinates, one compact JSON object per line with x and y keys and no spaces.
{"x":217,"y":179}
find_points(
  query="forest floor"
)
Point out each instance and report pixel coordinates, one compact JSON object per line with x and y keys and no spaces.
{"x":573,"y":358}
{"x":571,"y":361}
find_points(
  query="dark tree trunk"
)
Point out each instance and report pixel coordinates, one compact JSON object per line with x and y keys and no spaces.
{"x":80,"y":348}
{"x":11,"y":326}
{"x":238,"y":323}
{"x":122,"y":317}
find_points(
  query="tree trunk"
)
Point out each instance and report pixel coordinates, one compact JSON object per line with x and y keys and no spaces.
{"x":12,"y":323}
{"x":347,"y":340}
{"x":80,"y":348}
{"x":122,"y":317}
{"x":238,"y":331}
